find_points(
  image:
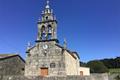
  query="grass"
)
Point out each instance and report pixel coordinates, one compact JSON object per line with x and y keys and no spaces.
{"x":114,"y":70}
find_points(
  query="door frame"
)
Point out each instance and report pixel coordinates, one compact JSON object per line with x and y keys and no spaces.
{"x":41,"y":71}
{"x":81,"y":73}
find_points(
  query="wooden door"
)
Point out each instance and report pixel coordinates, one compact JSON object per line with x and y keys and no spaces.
{"x":44,"y":72}
{"x":81,"y":73}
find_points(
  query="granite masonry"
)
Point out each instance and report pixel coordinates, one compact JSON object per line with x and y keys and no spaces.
{"x":11,"y":64}
{"x":92,"y":77}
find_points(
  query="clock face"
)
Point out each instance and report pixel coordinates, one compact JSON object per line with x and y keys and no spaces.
{"x":45,"y":46}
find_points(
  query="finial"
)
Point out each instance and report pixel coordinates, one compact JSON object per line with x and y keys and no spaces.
{"x":48,"y":2}
{"x":65,"y":43}
{"x":28,"y":45}
{"x":47,"y":6}
{"x":42,"y":12}
{"x":38,"y":19}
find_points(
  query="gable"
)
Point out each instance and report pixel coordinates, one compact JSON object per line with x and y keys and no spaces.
{"x":73,"y":54}
{"x":8,"y":56}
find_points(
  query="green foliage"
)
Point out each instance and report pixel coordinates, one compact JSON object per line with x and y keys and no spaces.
{"x":112,"y":71}
{"x":101,"y":66}
{"x":97,"y":67}
{"x":111,"y":63}
{"x":82,"y":64}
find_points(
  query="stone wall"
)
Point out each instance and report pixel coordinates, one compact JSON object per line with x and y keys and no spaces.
{"x":99,"y":76}
{"x":45,"y":55}
{"x":114,"y":76}
{"x":71,"y":64}
{"x":92,"y":77}
{"x":12,"y":66}
{"x":41,"y":78}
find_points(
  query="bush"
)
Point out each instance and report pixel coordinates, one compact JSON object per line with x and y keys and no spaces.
{"x":97,"y":67}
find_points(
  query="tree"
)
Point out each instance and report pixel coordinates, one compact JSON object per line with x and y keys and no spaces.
{"x":117,"y":61}
{"x":97,"y":67}
{"x":108,"y":63}
{"x":112,"y":63}
{"x":82,"y":64}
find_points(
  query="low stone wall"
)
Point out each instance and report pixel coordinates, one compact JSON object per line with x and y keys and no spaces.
{"x":99,"y":77}
{"x":114,"y":77}
{"x":42,"y":78}
{"x":92,"y":77}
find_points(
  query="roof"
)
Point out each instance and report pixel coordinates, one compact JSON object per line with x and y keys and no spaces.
{"x":7,"y":56}
{"x":69,"y":51}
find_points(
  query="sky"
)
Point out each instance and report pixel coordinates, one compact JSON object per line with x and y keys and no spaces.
{"x":91,"y":27}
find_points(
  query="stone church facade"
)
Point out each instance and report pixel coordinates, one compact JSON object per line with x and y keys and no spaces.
{"x":47,"y":57}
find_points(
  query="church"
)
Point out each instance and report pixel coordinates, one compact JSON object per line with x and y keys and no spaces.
{"x":47,"y":57}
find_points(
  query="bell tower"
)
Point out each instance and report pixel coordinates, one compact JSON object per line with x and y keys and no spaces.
{"x":46,"y":57}
{"x":47,"y":26}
